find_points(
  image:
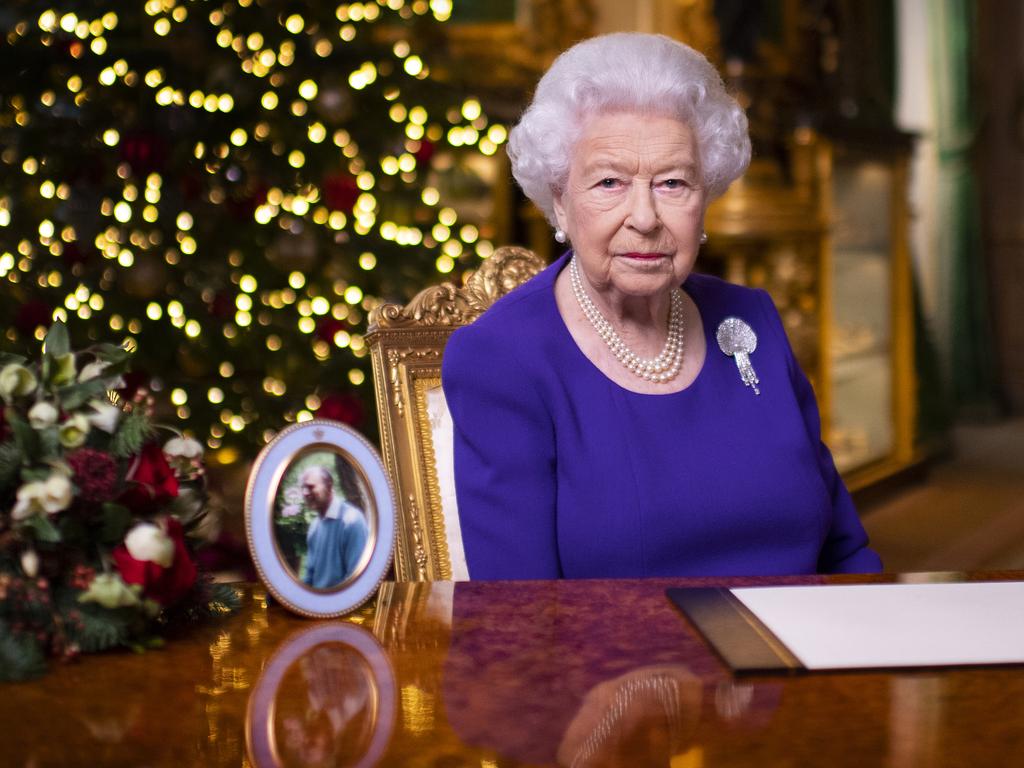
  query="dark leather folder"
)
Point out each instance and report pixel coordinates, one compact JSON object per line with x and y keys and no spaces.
{"x":736,"y":634}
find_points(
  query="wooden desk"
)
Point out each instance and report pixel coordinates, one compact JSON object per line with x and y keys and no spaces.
{"x":498,"y":674}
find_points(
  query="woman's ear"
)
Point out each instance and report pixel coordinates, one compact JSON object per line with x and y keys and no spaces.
{"x":560,"y":218}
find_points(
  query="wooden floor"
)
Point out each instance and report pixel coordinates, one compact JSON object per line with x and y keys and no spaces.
{"x":967,"y":514}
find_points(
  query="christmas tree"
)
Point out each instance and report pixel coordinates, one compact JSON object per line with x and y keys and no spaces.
{"x":230,"y":187}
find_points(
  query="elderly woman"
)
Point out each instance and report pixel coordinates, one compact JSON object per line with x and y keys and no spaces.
{"x":619,"y":414}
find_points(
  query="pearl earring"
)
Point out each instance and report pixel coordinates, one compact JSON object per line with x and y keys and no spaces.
{"x":560,"y":235}
{"x":703,"y":238}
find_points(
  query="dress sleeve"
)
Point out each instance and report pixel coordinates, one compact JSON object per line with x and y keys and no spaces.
{"x":845,"y":549}
{"x":504,"y":455}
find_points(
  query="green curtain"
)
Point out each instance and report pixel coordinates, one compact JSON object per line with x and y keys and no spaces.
{"x":971,"y":358}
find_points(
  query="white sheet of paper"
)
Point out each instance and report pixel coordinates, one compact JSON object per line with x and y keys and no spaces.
{"x":894,"y":625}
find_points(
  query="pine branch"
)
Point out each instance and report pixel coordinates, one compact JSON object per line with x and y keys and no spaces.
{"x":100,"y":629}
{"x":131,"y":435}
{"x":207,"y":601}
{"x":223,"y":599}
{"x":21,"y":657}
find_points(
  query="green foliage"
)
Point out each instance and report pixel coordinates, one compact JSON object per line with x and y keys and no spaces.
{"x":209,"y":600}
{"x":11,"y":458}
{"x":76,"y":395}
{"x":35,"y":474}
{"x":132,"y":433}
{"x":6,"y":358}
{"x":49,"y":442}
{"x":42,"y":528}
{"x":112,"y":354}
{"x":21,"y":658}
{"x":57,"y":342}
{"x":114,"y":522}
{"x":101,"y":629}
{"x":73,"y":531}
{"x":25,"y":615}
{"x":25,"y":438}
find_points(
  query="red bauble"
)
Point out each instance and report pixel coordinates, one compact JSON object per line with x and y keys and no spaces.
{"x":326,"y":327}
{"x":73,"y":254}
{"x":145,"y":151}
{"x":242,"y":203}
{"x":222,"y":306}
{"x":32,"y":314}
{"x":342,"y":406}
{"x":425,"y":152}
{"x":340,"y":192}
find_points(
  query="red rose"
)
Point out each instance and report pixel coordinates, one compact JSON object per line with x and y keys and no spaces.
{"x":151,"y":481}
{"x":165,"y":585}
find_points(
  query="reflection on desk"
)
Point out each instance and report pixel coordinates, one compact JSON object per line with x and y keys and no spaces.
{"x":326,"y":697}
{"x":587,"y":673}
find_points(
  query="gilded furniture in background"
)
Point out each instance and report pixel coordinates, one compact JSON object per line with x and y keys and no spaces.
{"x":827,"y":238}
{"x":869,"y":344}
{"x":406,"y":347}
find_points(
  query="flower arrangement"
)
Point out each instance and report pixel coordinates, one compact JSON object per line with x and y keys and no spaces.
{"x":97,"y":513}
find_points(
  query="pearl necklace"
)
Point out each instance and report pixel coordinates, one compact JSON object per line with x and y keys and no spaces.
{"x":660,"y":369}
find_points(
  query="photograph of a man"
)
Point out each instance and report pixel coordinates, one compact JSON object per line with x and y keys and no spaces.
{"x":337,"y":536}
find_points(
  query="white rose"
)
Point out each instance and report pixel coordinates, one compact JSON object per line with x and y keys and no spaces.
{"x":184,"y":447}
{"x":185,"y":455}
{"x":104,"y":416}
{"x":42,"y":415}
{"x":29,"y":500}
{"x":73,"y":432}
{"x":16,"y":380}
{"x":57,"y":493}
{"x":50,"y":496}
{"x":93,"y":370}
{"x":147,"y":541}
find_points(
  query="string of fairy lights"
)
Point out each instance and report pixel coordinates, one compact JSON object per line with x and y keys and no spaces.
{"x":139,"y":218}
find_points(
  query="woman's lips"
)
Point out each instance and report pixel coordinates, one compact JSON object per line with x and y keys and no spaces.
{"x":644,"y":256}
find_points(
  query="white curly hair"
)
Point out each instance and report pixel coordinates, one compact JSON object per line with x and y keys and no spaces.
{"x":645,"y":73}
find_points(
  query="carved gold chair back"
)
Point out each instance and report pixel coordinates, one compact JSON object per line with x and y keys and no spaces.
{"x":406,"y":347}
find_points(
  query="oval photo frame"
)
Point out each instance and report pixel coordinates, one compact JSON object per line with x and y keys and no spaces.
{"x":320,"y":518}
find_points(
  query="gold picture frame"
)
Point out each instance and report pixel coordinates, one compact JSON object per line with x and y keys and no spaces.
{"x":320,"y":518}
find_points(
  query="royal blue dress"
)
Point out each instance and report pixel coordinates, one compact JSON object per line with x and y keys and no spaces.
{"x":562,"y":473}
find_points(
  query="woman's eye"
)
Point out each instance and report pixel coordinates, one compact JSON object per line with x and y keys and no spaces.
{"x":608,"y":183}
{"x":673,"y":183}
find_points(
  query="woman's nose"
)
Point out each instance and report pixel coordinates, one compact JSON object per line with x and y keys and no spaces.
{"x":643,"y":217}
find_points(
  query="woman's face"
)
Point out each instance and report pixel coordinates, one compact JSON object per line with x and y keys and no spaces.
{"x":634,"y":202}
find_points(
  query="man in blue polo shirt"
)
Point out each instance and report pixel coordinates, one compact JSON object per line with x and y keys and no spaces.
{"x":337,"y":536}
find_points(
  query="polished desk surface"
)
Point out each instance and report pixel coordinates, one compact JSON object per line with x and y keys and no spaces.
{"x":579,"y":673}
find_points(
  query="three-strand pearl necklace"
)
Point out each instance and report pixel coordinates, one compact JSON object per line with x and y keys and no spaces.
{"x":660,"y":369}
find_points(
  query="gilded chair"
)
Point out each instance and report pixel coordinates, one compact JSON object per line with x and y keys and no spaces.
{"x":406,"y":347}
